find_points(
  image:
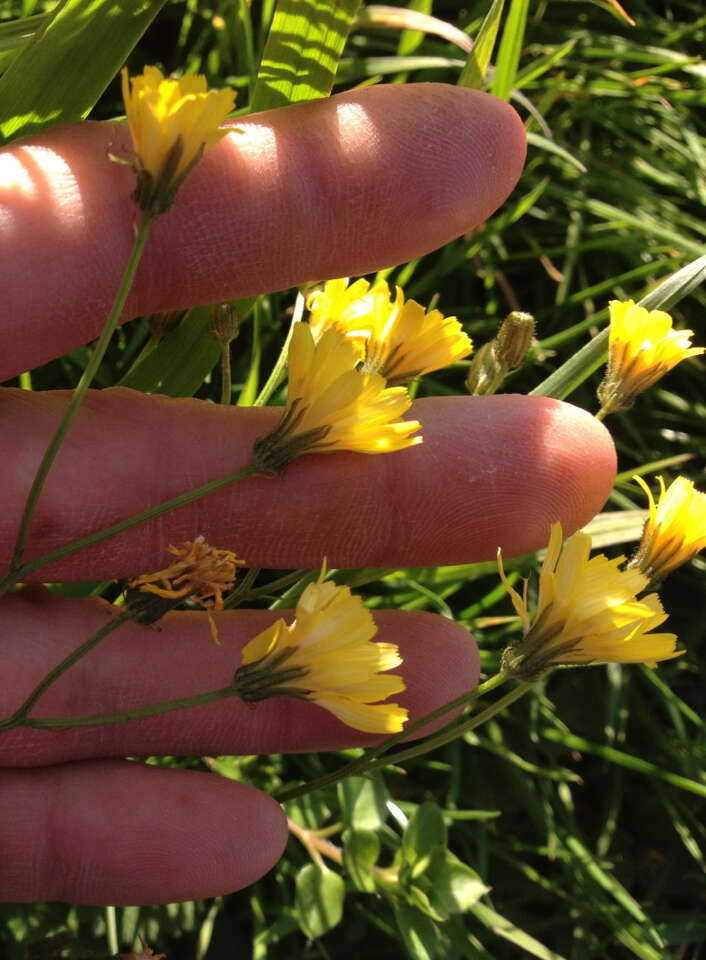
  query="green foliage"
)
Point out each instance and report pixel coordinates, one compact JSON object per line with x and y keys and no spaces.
{"x":64,"y":68}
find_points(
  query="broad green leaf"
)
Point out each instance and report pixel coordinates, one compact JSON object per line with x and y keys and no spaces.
{"x":361,"y":849}
{"x":319,"y":899}
{"x":418,"y":932}
{"x":363,"y":802}
{"x":302,"y":51}
{"x":66,"y":66}
{"x":510,"y":49}
{"x":474,"y":72}
{"x":178,"y":365}
{"x":424,"y":832}
{"x":454,"y":887}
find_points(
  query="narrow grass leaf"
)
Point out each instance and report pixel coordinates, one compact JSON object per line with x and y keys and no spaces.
{"x":474,"y":73}
{"x":302,"y":52}
{"x":625,"y":760}
{"x":66,"y":66}
{"x":510,"y":49}
{"x":502,"y":927}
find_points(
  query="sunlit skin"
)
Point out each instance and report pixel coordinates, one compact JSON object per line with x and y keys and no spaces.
{"x":491,"y":472}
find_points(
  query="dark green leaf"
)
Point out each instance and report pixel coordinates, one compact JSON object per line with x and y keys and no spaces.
{"x":319,"y":899}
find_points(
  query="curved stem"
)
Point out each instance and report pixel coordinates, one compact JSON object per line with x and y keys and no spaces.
{"x":79,"y":393}
{"x":14,"y":575}
{"x":372,"y":756}
{"x":137,"y":713}
{"x":17,"y":718}
{"x":277,"y":375}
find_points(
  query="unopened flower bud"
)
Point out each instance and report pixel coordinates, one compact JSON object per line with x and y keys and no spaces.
{"x":514,"y":339}
{"x":502,"y":356}
{"x":162,"y":324}
{"x":224,"y":324}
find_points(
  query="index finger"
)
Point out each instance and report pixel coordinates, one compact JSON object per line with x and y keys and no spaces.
{"x":332,"y":188}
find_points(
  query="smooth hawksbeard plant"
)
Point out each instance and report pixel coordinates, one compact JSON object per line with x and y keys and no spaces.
{"x":675,"y":530}
{"x":587,"y":611}
{"x":327,"y":655}
{"x":173,"y":123}
{"x":642,"y":348}
{"x":396,"y":338}
{"x":331,"y":405}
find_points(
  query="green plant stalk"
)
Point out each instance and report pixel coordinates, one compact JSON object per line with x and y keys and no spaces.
{"x":79,"y":392}
{"x":226,"y":381}
{"x":106,"y":532}
{"x":575,"y":370}
{"x":18,"y":717}
{"x":277,"y":375}
{"x":136,"y":713}
{"x":375,"y":756}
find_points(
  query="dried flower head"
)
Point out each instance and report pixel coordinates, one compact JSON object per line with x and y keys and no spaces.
{"x":200,"y":573}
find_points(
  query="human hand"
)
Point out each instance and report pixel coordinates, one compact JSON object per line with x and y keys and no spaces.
{"x":409,"y":169}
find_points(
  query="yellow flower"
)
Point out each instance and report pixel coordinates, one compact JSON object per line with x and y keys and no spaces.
{"x":587,"y":611}
{"x":333,"y":406}
{"x":396,"y":338}
{"x":201,"y":573}
{"x":173,"y":123}
{"x":328,"y":656}
{"x":642,"y":348}
{"x":675,"y":530}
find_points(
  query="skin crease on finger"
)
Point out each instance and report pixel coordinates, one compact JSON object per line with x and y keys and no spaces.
{"x":338,"y":187}
{"x":492,"y":472}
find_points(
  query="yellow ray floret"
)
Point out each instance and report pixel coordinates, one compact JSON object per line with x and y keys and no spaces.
{"x":327,"y":655}
{"x":396,"y":338}
{"x":333,"y":406}
{"x":675,"y":530}
{"x":642,"y":348}
{"x":173,"y":123}
{"x":587,"y":611}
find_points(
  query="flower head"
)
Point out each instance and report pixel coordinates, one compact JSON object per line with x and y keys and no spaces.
{"x":396,"y":338}
{"x":173,"y":123}
{"x":200,"y":573}
{"x":327,"y":655}
{"x":642,"y":348}
{"x":333,"y":406}
{"x":675,"y":530}
{"x":587,"y":611}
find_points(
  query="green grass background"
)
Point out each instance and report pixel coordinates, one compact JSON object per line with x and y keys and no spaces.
{"x":582,"y":807}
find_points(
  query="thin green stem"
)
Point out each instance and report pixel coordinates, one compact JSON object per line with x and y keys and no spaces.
{"x":111,"y":931}
{"x":277,"y":375}
{"x":226,"y":381}
{"x":374,"y":756}
{"x":79,"y":393}
{"x":134,"y":521}
{"x":136,"y":713}
{"x":18,"y":717}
